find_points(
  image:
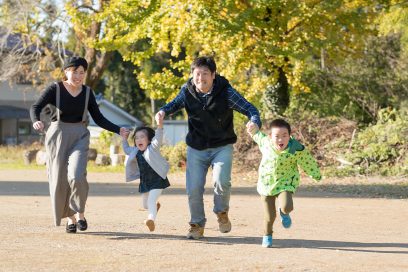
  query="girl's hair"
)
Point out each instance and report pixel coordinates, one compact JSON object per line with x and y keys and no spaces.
{"x":149,"y":132}
{"x":280,"y":123}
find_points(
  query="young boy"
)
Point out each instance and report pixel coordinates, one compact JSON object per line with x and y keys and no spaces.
{"x":278,"y":172}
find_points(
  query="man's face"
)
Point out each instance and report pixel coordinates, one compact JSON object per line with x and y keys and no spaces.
{"x":280,"y":138}
{"x":203,"y":78}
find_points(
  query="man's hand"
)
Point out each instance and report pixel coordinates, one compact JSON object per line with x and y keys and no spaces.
{"x":38,"y":126}
{"x":252,"y":128}
{"x":159,"y":117}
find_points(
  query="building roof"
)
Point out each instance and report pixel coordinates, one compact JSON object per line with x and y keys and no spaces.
{"x":10,"y":112}
{"x":114,"y":108}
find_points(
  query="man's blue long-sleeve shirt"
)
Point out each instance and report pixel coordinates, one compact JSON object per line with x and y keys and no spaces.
{"x":235,"y":101}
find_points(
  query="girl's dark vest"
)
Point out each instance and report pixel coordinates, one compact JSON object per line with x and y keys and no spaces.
{"x":209,"y":124}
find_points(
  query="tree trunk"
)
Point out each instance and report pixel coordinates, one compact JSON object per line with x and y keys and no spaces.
{"x":276,"y":98}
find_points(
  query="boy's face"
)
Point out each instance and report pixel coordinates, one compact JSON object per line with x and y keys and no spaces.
{"x":280,"y":138}
{"x":141,"y":140}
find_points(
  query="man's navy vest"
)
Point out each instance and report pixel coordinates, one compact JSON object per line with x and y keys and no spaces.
{"x":210,"y":123}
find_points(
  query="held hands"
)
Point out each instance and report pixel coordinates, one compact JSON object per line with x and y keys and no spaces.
{"x":124,"y":132}
{"x":38,"y":126}
{"x":252,"y":128}
{"x":159,"y":118}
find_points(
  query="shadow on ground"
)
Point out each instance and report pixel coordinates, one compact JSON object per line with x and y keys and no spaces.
{"x":28,"y":188}
{"x":277,"y":243}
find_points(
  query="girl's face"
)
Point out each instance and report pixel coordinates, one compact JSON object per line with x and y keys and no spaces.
{"x":141,"y":140}
{"x":280,"y":138}
{"x":75,"y":75}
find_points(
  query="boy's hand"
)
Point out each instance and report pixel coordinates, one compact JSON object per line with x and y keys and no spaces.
{"x":252,"y":128}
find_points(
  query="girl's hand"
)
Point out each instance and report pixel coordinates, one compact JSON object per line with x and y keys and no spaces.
{"x":38,"y":126}
{"x":159,"y":118}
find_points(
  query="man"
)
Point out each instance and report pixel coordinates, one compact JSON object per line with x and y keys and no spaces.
{"x":209,"y":101}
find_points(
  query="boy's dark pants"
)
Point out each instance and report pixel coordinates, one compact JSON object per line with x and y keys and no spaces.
{"x":285,"y":204}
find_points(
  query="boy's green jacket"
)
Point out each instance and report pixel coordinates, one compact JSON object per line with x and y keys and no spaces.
{"x":278,"y":171}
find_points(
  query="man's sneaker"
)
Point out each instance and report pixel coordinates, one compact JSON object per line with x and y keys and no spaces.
{"x":286,"y":220}
{"x":267,"y":241}
{"x":195,"y":232}
{"x":224,"y":223}
{"x":150,"y":224}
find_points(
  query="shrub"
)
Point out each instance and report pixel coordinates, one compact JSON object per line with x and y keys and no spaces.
{"x":175,"y":155}
{"x":383,"y":148}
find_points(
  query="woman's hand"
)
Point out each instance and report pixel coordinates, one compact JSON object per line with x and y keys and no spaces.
{"x":124,"y":132}
{"x":38,"y":126}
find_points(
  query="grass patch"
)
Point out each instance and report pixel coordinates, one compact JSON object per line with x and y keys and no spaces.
{"x":20,"y":165}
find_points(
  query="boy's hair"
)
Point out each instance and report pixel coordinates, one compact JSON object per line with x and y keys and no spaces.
{"x":205,"y":61}
{"x":280,"y":123}
{"x":149,"y":131}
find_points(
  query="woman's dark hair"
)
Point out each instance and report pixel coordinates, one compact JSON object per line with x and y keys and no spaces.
{"x":76,"y":62}
{"x":149,"y":132}
{"x":204,"y":62}
{"x":280,"y":123}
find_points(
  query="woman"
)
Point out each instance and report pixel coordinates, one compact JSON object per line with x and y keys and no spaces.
{"x":67,"y":141}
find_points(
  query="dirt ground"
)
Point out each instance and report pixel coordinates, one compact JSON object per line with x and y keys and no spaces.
{"x":335,"y":228}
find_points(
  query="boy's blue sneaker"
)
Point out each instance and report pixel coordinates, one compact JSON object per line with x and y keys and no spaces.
{"x":286,"y":220}
{"x":267,"y":241}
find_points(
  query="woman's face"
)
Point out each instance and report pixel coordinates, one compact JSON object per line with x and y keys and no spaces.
{"x":280,"y":138}
{"x":141,"y":140}
{"x":75,"y":75}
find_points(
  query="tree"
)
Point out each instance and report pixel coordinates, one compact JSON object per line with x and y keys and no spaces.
{"x":396,"y":22}
{"x":119,"y":84}
{"x":86,"y":31}
{"x":40,"y":28}
{"x":358,"y":88}
{"x":254,"y":42}
{"x":30,"y":48}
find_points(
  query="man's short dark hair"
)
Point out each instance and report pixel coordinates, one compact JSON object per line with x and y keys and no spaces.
{"x":204,"y":62}
{"x":280,"y":123}
{"x":149,"y":131}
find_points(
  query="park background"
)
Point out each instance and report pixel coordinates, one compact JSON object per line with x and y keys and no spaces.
{"x":336,"y":70}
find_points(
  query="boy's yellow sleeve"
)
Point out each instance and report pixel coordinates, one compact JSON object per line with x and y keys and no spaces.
{"x":306,"y":161}
{"x":259,"y":138}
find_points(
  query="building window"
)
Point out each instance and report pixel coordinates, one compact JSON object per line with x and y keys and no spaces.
{"x":24,"y":128}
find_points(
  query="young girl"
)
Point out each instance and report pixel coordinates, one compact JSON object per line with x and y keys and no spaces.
{"x":279,"y":174}
{"x":146,"y":163}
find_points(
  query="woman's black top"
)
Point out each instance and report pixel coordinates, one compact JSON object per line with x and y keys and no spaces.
{"x":71,"y":108}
